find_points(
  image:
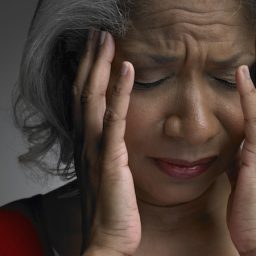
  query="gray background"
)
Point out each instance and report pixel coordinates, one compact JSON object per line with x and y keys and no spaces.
{"x":15,"y":182}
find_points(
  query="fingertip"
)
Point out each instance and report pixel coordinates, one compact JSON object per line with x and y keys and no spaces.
{"x":125,"y":68}
{"x":107,"y":46}
{"x":91,"y":38}
{"x":108,"y":40}
{"x":111,"y":39}
{"x":131,"y":67}
{"x":102,"y":37}
{"x":245,"y":72}
{"x":244,"y":81}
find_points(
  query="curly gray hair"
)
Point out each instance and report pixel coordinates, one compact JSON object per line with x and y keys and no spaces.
{"x":43,"y":95}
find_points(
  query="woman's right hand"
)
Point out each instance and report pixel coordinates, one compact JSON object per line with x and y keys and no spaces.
{"x":100,"y":123}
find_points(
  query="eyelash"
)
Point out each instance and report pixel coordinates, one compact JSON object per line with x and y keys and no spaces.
{"x":144,"y":86}
{"x":229,"y":85}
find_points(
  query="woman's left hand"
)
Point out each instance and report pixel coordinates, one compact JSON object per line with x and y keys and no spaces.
{"x":241,"y":216}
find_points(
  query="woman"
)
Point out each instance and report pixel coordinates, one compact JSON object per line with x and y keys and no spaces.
{"x":153,"y":113}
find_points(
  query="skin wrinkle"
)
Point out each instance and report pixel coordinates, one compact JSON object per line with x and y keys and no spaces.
{"x":185,"y":11}
{"x":186,"y":23}
{"x":183,"y":6}
{"x":206,"y":20}
{"x":169,"y":33}
{"x":202,"y":19}
{"x":176,"y":30}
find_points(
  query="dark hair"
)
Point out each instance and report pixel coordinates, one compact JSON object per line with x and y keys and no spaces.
{"x":55,"y":43}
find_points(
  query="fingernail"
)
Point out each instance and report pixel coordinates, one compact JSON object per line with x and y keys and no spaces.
{"x":124,"y":69}
{"x":102,"y":37}
{"x":246,"y":72}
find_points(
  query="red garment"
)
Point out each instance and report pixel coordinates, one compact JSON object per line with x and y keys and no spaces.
{"x":18,"y":236}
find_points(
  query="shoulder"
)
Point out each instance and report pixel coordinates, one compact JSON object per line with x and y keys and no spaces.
{"x":18,"y":234}
{"x":51,"y":215}
{"x":35,"y":207}
{"x":63,"y":217}
{"x":27,"y":221}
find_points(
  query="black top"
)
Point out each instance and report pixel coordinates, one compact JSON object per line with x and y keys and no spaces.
{"x":32,"y":208}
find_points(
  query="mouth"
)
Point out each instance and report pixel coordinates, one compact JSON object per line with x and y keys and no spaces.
{"x":182,"y":169}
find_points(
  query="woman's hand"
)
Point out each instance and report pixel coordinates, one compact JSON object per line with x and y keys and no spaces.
{"x":100,"y":126}
{"x":241,"y":215}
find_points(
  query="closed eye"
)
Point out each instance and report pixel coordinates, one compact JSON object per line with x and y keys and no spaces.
{"x":142,"y":86}
{"x":228,"y":84}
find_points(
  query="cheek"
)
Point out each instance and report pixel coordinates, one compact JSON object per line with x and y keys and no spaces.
{"x":143,"y":122}
{"x":137,"y":124}
{"x":231,"y":117}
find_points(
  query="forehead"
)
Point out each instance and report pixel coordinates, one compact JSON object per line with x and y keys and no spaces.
{"x":168,"y":15}
{"x":170,"y":25}
{"x":200,"y":6}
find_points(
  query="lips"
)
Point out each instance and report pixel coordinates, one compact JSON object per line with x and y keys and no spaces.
{"x":180,"y":162}
{"x":183,"y":169}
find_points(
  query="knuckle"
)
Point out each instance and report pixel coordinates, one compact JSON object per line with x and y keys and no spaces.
{"x":118,"y":157}
{"x":250,"y":148}
{"x":75,"y":89}
{"x":251,"y":121}
{"x":253,"y":91}
{"x":86,"y":96}
{"x":117,"y":90}
{"x":250,"y":93}
{"x":110,"y":116}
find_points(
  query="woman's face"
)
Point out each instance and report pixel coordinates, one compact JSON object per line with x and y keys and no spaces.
{"x":194,"y":48}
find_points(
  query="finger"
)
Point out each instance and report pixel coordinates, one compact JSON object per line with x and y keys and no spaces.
{"x":84,"y":68}
{"x":82,"y":76}
{"x":247,"y":92}
{"x":234,"y":167}
{"x":115,"y":119}
{"x":93,"y":107}
{"x":94,"y":93}
{"x":79,"y":82}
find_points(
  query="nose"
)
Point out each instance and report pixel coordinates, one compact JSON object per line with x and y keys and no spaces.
{"x":193,"y":119}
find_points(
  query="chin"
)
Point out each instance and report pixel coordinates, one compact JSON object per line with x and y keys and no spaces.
{"x":170,"y":193}
{"x":171,"y":196}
